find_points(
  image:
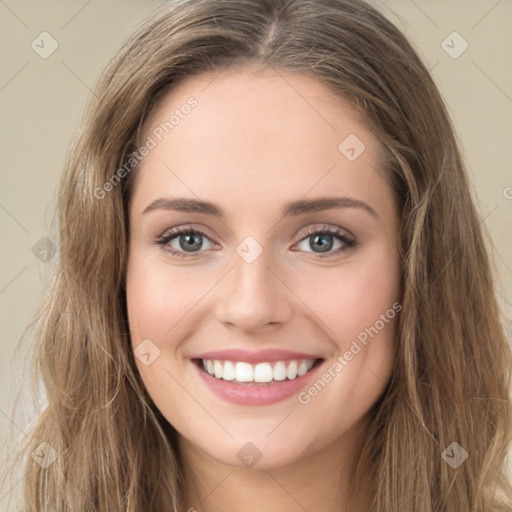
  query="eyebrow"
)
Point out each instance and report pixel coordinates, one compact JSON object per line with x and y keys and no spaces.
{"x":292,"y":209}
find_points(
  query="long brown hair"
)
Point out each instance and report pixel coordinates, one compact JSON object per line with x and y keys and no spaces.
{"x":451,"y":378}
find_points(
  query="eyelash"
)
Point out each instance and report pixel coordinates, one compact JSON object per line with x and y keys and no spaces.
{"x":349,"y":243}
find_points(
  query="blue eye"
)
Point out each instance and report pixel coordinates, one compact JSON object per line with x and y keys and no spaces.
{"x":322,"y":241}
{"x":326,"y":242}
{"x":187,"y":240}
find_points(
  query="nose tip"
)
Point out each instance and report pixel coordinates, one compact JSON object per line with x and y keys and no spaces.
{"x":252,"y":297}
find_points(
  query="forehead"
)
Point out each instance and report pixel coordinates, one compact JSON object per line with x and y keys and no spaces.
{"x":254,"y":135}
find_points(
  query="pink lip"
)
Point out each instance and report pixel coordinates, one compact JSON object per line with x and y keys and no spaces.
{"x":262,"y":356}
{"x":256,"y":394}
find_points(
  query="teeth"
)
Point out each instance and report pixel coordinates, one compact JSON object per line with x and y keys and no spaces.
{"x":262,"y":372}
{"x":229,"y":371}
{"x":301,"y":370}
{"x":244,"y":372}
{"x":218,"y":369}
{"x":279,"y":371}
{"x":291,"y":371}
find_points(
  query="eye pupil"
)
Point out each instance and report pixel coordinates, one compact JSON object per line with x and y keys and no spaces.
{"x":187,"y":242}
{"x":324,"y":242}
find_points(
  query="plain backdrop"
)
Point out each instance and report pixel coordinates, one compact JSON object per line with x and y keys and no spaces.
{"x":41,"y":101}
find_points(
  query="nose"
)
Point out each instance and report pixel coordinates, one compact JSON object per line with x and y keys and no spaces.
{"x":254,"y":297}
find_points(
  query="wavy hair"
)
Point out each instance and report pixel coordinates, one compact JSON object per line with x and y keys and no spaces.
{"x":451,"y":378}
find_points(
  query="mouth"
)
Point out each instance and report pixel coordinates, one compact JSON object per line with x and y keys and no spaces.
{"x":260,"y":374}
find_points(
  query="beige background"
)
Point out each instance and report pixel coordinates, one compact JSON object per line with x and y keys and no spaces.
{"x":41,"y":101}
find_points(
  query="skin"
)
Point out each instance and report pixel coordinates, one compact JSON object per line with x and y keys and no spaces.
{"x":257,"y":140}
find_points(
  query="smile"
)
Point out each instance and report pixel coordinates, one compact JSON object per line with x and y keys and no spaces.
{"x":261,"y":373}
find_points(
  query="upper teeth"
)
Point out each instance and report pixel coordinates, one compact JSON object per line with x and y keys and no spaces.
{"x":261,"y":372}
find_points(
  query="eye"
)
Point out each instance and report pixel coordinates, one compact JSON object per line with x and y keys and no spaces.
{"x":181,"y":241}
{"x":322,"y":241}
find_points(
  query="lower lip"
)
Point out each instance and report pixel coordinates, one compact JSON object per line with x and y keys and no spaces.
{"x":256,"y":394}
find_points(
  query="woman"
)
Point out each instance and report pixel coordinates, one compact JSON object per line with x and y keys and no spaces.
{"x":273,"y":290}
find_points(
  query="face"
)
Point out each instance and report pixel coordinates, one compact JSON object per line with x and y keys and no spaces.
{"x":263,"y":272}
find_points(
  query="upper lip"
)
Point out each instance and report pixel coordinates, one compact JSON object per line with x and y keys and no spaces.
{"x":254,"y":357}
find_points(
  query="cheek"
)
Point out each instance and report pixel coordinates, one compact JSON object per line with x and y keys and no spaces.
{"x":158,"y":299}
{"x":353,"y":299}
{"x":158,"y":302}
{"x":359,"y":305}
